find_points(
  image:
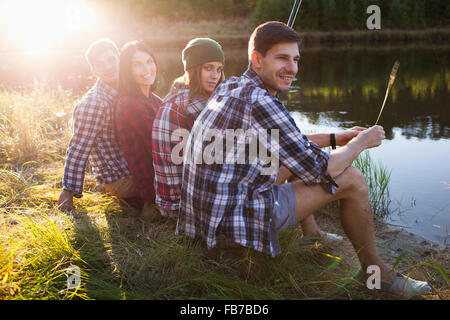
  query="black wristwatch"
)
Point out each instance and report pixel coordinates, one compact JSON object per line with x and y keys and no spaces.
{"x":333,"y":141}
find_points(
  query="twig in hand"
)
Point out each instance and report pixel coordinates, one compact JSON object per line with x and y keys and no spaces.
{"x":391,"y":82}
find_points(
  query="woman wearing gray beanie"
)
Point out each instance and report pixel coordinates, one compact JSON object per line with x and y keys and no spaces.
{"x":203,"y":61}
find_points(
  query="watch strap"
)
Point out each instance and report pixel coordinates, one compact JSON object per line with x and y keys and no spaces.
{"x":333,"y":140}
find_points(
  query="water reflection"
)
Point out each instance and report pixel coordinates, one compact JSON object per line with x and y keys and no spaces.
{"x":349,"y":86}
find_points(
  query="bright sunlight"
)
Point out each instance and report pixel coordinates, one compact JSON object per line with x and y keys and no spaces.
{"x":40,"y":25}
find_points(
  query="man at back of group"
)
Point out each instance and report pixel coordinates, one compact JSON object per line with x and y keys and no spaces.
{"x":93,"y":133}
{"x":235,"y":203}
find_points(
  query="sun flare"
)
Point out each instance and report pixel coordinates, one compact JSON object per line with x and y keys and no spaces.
{"x":41,"y":25}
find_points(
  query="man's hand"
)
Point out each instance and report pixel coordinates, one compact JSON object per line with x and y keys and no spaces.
{"x":342,"y":158}
{"x":65,"y":202}
{"x":342,"y":138}
{"x":372,"y":137}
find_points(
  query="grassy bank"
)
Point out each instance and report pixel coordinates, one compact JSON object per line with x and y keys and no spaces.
{"x":121,"y":255}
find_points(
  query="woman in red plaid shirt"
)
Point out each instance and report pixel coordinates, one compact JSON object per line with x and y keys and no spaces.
{"x":135,"y":112}
{"x":203,"y":61}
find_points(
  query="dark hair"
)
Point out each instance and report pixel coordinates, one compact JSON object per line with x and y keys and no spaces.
{"x":192,"y":79}
{"x":268,"y":34}
{"x":99,"y":46}
{"x":127,"y":84}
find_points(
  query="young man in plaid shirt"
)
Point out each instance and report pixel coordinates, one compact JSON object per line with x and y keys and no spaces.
{"x":93,"y":134}
{"x":234,"y":203}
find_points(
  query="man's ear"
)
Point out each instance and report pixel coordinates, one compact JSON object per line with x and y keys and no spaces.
{"x":256,"y":59}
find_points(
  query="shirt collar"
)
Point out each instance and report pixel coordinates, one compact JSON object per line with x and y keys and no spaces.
{"x":255,"y":78}
{"x":182,"y":96}
{"x":110,"y":91}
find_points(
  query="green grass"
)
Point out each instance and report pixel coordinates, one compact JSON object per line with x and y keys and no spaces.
{"x":377,"y":178}
{"x":34,"y":124}
{"x":124,"y":256}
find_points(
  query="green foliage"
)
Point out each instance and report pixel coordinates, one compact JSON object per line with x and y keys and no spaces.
{"x":175,"y":10}
{"x":377,"y":178}
{"x":396,"y":15}
{"x":271,"y":10}
{"x":351,"y":14}
{"x":313,"y":15}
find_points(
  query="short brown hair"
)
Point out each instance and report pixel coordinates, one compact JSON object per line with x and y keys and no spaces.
{"x":98,"y":47}
{"x":268,"y":34}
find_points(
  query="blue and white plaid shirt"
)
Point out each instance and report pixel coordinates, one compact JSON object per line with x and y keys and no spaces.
{"x":232,"y":203}
{"x":93,"y":137}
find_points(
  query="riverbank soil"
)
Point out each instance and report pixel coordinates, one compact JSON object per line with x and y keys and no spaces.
{"x":410,"y":254}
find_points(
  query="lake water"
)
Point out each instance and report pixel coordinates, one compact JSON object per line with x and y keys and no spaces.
{"x":337,"y":89}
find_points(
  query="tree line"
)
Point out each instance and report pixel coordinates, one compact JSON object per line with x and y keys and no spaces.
{"x":313,"y":15}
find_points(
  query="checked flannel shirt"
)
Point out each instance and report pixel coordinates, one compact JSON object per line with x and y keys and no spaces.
{"x":134,"y":122}
{"x":93,"y":135}
{"x":232,"y":203}
{"x":178,"y":111}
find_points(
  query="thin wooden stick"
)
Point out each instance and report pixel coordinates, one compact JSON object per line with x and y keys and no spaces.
{"x":391,"y":82}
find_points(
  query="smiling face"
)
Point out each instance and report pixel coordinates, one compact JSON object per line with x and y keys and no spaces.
{"x":106,"y":67}
{"x":143,"y":69}
{"x":278,"y":67}
{"x":211,"y":73}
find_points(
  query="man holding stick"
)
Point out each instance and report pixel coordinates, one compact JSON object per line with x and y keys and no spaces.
{"x":236,"y":204}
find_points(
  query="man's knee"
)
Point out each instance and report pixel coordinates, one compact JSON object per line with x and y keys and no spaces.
{"x":122,"y":188}
{"x":354,"y":180}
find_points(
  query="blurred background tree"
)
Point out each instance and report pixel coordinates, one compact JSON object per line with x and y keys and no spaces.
{"x":314,"y":14}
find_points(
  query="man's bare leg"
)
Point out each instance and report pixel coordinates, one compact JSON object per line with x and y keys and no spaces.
{"x":309,"y":225}
{"x":355,"y":214}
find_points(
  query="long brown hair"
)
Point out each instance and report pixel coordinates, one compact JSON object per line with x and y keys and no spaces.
{"x":192,"y":79}
{"x":127,"y":84}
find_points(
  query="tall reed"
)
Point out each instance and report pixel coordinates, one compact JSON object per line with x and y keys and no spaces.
{"x":377,"y":178}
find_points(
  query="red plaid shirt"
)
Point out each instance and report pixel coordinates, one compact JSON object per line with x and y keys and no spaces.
{"x":178,"y":111}
{"x":134,"y":121}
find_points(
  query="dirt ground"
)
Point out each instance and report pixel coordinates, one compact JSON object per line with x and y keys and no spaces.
{"x":410,"y":253}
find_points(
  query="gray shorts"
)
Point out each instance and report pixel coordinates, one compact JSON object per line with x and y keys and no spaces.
{"x":283,"y":212}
